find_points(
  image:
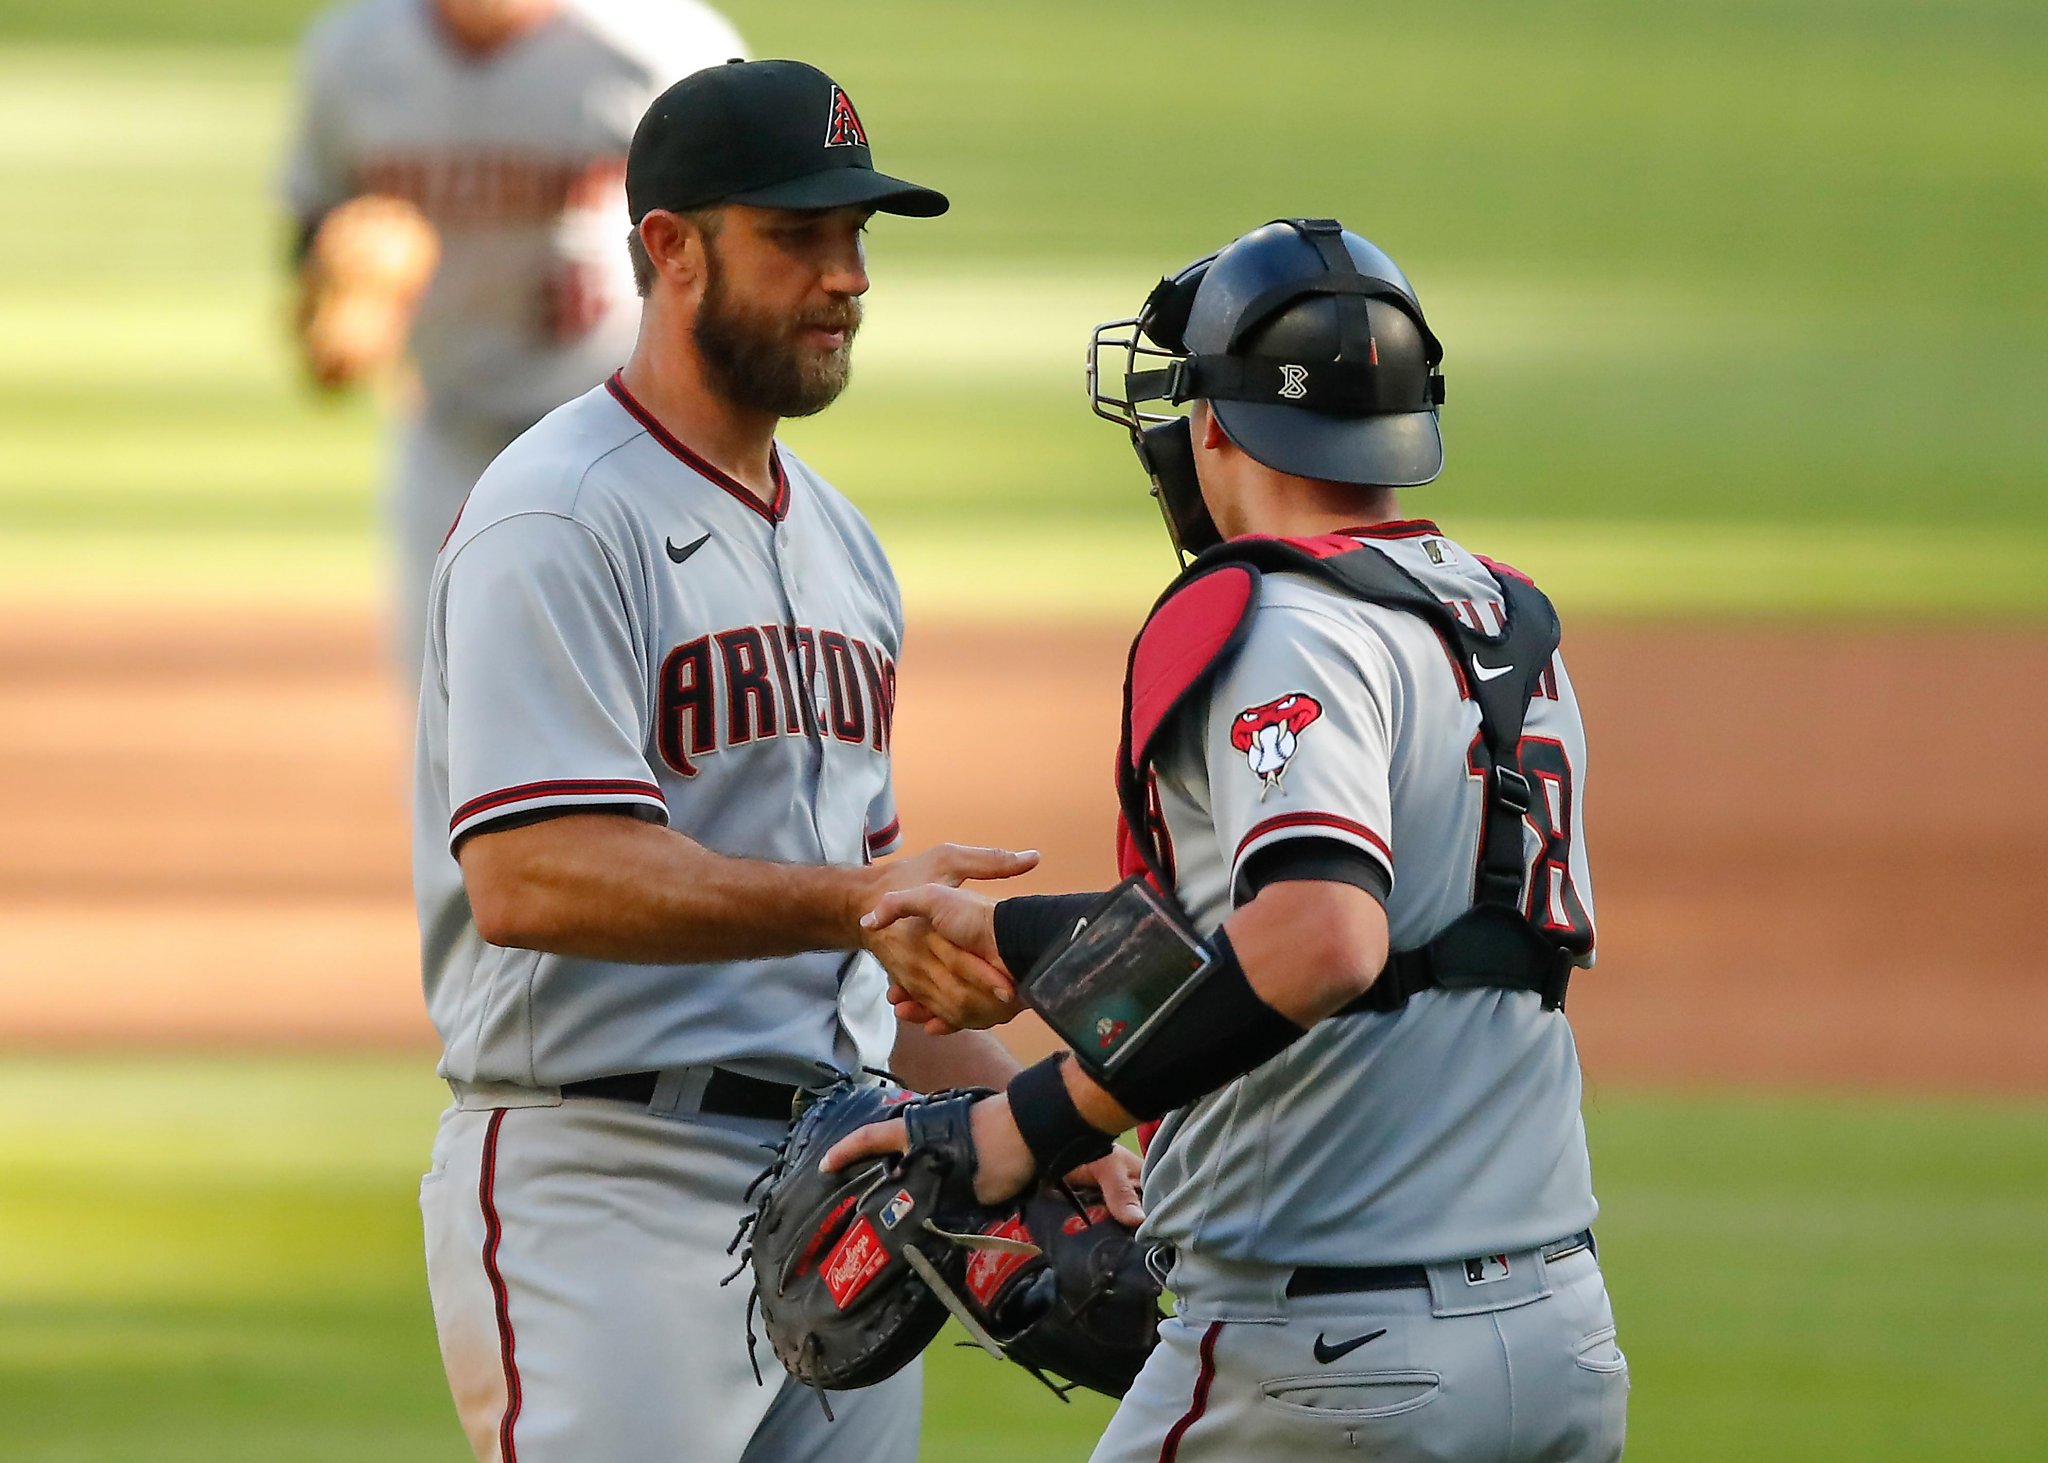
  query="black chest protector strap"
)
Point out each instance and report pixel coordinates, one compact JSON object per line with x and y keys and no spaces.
{"x":1494,"y":943}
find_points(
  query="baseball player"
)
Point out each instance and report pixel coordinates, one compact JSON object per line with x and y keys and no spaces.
{"x":1353,"y":760}
{"x":455,"y":186}
{"x":652,"y":775}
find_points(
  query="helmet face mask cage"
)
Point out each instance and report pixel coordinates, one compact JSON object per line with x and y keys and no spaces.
{"x":1162,"y":439}
{"x":1143,"y":352}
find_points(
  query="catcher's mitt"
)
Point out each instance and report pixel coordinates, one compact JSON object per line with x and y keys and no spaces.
{"x":1085,"y":1308}
{"x":855,"y":1271}
{"x":365,"y":269}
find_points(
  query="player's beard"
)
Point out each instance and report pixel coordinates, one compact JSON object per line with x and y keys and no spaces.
{"x":758,"y":361}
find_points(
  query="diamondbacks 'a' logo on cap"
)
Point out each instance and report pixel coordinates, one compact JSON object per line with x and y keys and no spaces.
{"x":844,"y":129}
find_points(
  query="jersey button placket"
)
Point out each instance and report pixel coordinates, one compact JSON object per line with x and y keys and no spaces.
{"x":789,"y":560}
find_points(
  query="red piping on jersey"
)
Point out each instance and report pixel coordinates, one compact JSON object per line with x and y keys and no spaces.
{"x":881,"y":837}
{"x":1508,"y":569}
{"x":1313,"y":820}
{"x":774,"y":512}
{"x":1199,"y":1403}
{"x":561,"y":787}
{"x":494,"y":1230}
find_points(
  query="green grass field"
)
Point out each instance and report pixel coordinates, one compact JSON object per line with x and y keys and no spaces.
{"x":1745,"y":315}
{"x":1742,"y":300}
{"x":218,"y":1260}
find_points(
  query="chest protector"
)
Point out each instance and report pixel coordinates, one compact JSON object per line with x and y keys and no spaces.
{"x":1196,"y":630}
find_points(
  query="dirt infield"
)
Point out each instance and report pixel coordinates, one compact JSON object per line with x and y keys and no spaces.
{"x":1813,"y":848}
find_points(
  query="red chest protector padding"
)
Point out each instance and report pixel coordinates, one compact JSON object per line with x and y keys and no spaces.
{"x":1196,"y":630}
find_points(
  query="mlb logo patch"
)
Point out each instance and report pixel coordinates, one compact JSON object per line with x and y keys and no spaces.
{"x":896,"y":1208}
{"x":1486,"y":1270}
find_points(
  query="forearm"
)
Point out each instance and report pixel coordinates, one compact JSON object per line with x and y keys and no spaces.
{"x":960,"y":1059}
{"x":1297,"y":953}
{"x":608,"y":887}
{"x":1101,"y":1111}
{"x":1309,"y":949}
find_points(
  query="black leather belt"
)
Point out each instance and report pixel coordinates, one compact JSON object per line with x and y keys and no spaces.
{"x":1343,"y":1279}
{"x":727,"y":1094}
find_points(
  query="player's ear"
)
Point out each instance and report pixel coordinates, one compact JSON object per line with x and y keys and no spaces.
{"x":1209,"y":433}
{"x":674,"y":245}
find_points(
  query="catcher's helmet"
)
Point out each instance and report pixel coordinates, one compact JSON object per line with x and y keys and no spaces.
{"x":1311,"y":348}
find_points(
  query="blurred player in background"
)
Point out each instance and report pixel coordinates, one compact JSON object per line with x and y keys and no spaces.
{"x":456,"y":184}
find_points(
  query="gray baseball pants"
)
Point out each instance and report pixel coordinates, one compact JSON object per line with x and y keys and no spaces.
{"x":1508,"y":1368}
{"x":574,"y":1254}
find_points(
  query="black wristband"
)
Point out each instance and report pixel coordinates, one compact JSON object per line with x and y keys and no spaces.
{"x":1219,"y":1032}
{"x":1031,"y":924}
{"x":1059,"y":1138}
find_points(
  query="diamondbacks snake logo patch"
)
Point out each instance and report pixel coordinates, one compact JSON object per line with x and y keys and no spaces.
{"x":1269,"y":735}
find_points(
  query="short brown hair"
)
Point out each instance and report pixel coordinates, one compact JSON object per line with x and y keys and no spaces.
{"x":708,"y":220}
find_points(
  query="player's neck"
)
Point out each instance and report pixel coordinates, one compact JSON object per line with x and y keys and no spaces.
{"x":1293,"y":507}
{"x":666,"y":377}
{"x":478,"y":36}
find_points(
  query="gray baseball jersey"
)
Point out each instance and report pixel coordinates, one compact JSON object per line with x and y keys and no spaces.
{"x":1450,"y":1128}
{"x":518,"y":157}
{"x":614,"y":622}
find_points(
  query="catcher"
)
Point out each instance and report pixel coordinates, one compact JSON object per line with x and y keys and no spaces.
{"x":1370,"y":1165}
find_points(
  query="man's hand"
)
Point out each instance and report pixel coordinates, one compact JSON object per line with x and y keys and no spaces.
{"x":366,"y":266}
{"x":1003,"y":1164}
{"x":965,"y":921}
{"x":1116,"y":1174}
{"x":937,"y":941}
{"x":950,"y":864}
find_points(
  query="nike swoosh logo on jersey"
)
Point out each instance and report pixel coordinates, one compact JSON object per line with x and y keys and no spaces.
{"x":1326,"y":1353}
{"x":1480,"y":669}
{"x":677,"y":555}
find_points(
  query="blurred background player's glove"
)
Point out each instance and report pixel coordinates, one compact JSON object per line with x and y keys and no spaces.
{"x":850,"y":1267}
{"x":1086,"y":1307}
{"x":365,"y":268}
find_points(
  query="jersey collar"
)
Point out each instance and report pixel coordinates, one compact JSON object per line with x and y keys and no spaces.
{"x":774,"y":512}
{"x":1395,"y":528}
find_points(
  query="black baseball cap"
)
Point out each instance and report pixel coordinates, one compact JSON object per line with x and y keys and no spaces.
{"x":778,"y":134}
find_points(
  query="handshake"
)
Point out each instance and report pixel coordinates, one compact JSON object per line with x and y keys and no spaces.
{"x":937,"y":941}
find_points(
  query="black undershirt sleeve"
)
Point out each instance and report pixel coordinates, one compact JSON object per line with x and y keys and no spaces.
{"x":1329,"y":860}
